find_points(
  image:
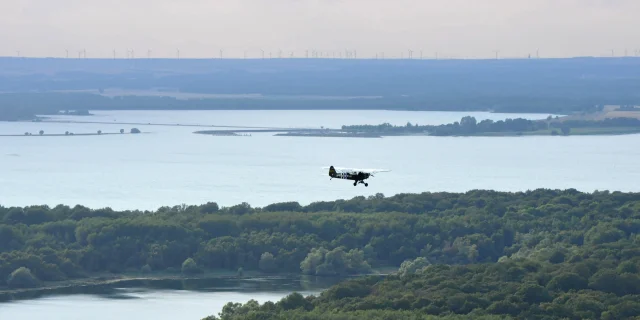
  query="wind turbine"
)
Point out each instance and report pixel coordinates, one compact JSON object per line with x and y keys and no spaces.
{"x":262,"y":53}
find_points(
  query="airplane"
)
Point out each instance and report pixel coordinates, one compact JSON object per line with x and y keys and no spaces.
{"x":357,"y":175}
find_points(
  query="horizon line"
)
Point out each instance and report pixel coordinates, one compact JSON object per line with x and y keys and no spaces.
{"x":317,"y":58}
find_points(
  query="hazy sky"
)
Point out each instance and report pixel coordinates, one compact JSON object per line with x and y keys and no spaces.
{"x":200,"y":28}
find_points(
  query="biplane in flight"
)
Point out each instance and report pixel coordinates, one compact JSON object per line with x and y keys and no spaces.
{"x":357,"y":175}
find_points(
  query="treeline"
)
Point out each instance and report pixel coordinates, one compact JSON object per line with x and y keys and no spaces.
{"x":570,"y":255}
{"x":469,"y":126}
{"x":323,"y":238}
{"x":466,"y":126}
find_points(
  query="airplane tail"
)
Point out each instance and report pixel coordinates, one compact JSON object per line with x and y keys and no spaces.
{"x":332,"y":171}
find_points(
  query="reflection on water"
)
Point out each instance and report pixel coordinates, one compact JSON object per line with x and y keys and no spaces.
{"x":130,"y":288}
{"x":157,"y":299}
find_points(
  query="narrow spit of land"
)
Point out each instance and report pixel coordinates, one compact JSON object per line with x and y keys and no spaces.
{"x":293,"y":133}
{"x":160,"y":124}
{"x":69,"y":135}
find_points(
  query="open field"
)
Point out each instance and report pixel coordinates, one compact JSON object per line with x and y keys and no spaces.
{"x":609,"y":111}
{"x":574,"y":132}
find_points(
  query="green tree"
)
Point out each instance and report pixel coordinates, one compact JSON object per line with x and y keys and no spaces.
{"x":268,"y":263}
{"x":22,"y":278}
{"x":416,"y":266}
{"x":190,"y":267}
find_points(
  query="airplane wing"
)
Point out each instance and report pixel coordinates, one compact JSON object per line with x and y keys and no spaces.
{"x":373,"y":170}
{"x":341,"y":169}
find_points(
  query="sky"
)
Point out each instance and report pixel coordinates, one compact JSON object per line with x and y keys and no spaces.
{"x":201,"y":28}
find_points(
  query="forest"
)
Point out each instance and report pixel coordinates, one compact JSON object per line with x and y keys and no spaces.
{"x":536,"y":254}
{"x":552,"y":255}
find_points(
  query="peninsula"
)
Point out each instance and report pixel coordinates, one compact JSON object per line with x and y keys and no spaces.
{"x":608,"y":120}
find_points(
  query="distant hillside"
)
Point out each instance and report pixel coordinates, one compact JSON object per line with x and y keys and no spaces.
{"x":525,"y":85}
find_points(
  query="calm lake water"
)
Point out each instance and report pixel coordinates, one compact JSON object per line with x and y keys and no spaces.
{"x":171,"y":165}
{"x":160,"y":300}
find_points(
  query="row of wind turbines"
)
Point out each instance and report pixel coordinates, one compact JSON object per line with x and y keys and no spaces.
{"x":346,"y":54}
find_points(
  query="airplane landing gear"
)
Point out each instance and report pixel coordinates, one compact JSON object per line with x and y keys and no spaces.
{"x":356,"y":183}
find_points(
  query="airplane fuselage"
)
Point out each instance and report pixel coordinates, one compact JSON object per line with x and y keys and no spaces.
{"x":357,"y":177}
{"x":351,"y":176}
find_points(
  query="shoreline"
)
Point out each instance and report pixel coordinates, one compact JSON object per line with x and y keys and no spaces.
{"x":334,"y":133}
{"x":103,"y":281}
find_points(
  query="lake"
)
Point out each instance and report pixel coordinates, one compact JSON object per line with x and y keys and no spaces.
{"x":171,"y":165}
{"x":161,"y":300}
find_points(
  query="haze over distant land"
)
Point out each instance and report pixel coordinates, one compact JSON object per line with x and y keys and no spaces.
{"x":119,"y":55}
{"x":556,"y":86}
{"x":459,"y":28}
